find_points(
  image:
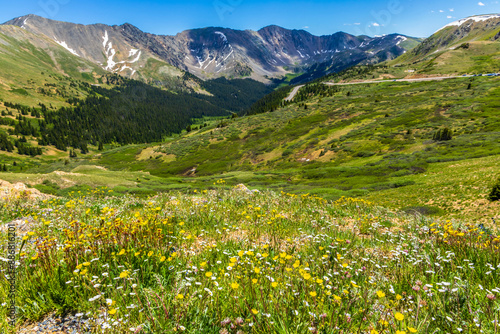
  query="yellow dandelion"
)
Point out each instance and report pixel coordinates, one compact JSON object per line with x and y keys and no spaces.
{"x":163,"y":258}
{"x":274,"y":284}
{"x":399,"y":297}
{"x":208,"y":274}
{"x":124,"y":274}
{"x":121,"y":252}
{"x":412,"y":330}
{"x":374,"y":331}
{"x":113,"y":311}
{"x":256,"y":270}
{"x":380,"y":294}
{"x":400,"y":332}
{"x":233,"y":260}
{"x":255,"y":312}
{"x":235,"y":285}
{"x":399,"y":316}
{"x":180,"y":296}
{"x":307,"y":276}
{"x":254,"y":281}
{"x":313,"y":294}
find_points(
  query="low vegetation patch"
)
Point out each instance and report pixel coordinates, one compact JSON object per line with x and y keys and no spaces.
{"x":238,"y":261}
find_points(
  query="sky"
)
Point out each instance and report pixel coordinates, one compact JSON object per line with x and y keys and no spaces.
{"x":418,"y":18}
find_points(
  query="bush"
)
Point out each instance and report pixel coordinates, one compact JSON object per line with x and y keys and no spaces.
{"x":495,"y":192}
{"x":443,"y":134}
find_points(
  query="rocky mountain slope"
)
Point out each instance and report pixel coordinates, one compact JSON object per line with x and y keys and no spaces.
{"x":468,"y":45}
{"x":211,"y":52}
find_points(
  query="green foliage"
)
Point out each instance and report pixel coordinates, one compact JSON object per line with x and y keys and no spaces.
{"x":443,"y":135}
{"x":177,"y":263}
{"x":129,"y":113}
{"x":494,"y":195}
{"x":234,"y":95}
{"x":20,"y":91}
{"x":270,"y":102}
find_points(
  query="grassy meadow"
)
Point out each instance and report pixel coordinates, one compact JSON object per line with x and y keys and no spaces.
{"x":363,"y":222}
{"x":229,"y":260}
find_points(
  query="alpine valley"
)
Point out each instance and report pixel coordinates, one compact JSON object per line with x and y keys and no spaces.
{"x":227,"y":181}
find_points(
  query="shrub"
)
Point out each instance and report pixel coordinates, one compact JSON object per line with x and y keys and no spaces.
{"x":495,"y":192}
{"x":443,"y":134}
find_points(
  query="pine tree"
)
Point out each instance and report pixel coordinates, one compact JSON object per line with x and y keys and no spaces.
{"x":494,"y":195}
{"x":443,"y":135}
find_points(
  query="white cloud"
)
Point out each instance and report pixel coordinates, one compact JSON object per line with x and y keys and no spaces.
{"x":376,"y":24}
{"x":441,"y":11}
{"x":305,"y":27}
{"x":357,"y":24}
{"x":449,"y":17}
{"x":452,"y":10}
{"x":481,"y":4}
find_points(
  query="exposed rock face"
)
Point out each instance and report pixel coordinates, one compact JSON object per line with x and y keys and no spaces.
{"x":212,"y":52}
{"x":10,"y":191}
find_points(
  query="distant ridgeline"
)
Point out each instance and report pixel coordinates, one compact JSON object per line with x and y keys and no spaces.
{"x":131,"y":112}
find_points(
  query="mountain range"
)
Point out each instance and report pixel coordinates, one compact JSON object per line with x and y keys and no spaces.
{"x":207,"y":53}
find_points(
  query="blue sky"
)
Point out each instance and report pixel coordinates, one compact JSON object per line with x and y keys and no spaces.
{"x":418,"y":18}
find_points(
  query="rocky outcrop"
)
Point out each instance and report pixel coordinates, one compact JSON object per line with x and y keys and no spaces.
{"x":9,"y":191}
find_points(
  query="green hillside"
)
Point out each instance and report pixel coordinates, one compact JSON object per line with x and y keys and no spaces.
{"x":374,"y":141}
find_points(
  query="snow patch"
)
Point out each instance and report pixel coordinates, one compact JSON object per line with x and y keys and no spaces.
{"x":105,"y":39}
{"x":210,"y":62}
{"x":301,"y":56}
{"x":137,"y":58}
{"x":201,"y":61}
{"x":222,"y":35}
{"x":478,"y":18}
{"x":230,"y":53}
{"x":24,"y":23}
{"x":64,"y":45}
{"x":111,"y":63}
{"x":132,"y":52}
{"x":401,"y":39}
{"x":125,"y":67}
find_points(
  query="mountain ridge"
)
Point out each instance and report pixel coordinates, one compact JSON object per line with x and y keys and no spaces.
{"x":210,"y":52}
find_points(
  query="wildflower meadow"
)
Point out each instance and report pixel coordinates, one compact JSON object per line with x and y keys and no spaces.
{"x":228,"y":260}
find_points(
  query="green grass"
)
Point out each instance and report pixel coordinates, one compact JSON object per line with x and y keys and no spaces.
{"x":376,"y":138}
{"x":224,"y":260}
{"x":365,"y":141}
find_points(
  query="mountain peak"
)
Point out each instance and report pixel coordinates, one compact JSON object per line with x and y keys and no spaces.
{"x":475,"y":18}
{"x":209,"y":52}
